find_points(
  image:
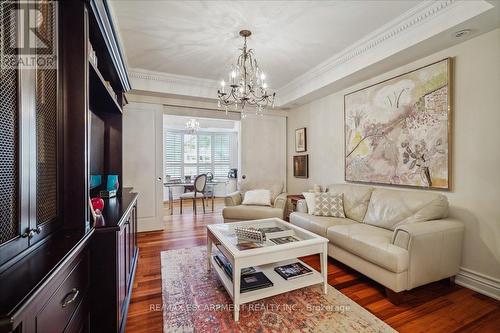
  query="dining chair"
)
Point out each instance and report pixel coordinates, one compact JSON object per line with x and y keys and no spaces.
{"x":200,"y":183}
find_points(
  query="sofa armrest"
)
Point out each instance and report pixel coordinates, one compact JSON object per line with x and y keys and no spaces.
{"x":301,"y":206}
{"x":434,"y":249}
{"x":233,"y":199}
{"x":280,"y":201}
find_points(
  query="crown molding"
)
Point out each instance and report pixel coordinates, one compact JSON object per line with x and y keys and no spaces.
{"x":173,"y":84}
{"x":427,"y":19}
{"x":414,"y":26}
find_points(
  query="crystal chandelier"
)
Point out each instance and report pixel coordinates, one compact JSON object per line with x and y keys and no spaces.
{"x":192,"y":126}
{"x":246,"y":83}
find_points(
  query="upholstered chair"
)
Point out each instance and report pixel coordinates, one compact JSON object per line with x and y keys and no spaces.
{"x":200,"y":183}
{"x":235,"y":211}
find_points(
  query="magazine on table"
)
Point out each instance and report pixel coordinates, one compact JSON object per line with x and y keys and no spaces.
{"x":247,"y":245}
{"x":284,"y":240}
{"x":293,"y":271}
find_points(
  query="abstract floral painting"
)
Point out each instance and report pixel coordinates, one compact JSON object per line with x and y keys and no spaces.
{"x":398,"y":131}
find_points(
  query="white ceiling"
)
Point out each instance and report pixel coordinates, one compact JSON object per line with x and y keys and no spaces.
{"x":200,"y":38}
{"x":308,"y":49}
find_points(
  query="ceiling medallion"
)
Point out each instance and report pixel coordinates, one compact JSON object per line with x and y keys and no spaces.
{"x":246,"y":84}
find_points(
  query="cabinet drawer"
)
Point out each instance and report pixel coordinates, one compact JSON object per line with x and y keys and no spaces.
{"x":80,"y":321}
{"x":57,"y":312}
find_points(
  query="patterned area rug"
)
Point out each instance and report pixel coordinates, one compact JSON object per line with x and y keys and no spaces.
{"x":195,"y":301}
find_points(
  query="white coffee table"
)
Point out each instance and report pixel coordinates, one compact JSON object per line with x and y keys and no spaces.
{"x":264,"y":259}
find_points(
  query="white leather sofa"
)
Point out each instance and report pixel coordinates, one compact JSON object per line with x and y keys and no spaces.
{"x":401,"y":239}
{"x":235,"y":211}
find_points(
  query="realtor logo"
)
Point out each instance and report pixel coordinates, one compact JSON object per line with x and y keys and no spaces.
{"x":28,"y":34}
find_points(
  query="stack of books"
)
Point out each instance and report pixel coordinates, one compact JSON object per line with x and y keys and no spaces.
{"x":292,"y":271}
{"x":250,"y":278}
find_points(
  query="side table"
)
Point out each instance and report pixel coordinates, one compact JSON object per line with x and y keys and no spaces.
{"x":292,"y":204}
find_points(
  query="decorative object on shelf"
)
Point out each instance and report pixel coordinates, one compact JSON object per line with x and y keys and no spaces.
{"x":112,"y":186}
{"x":300,"y":140}
{"x":301,"y":166}
{"x":192,"y":126}
{"x":247,"y":83}
{"x":250,"y":234}
{"x":291,"y":206}
{"x":97,"y":203}
{"x":210,"y":176}
{"x":398,"y":131}
{"x":96,"y":213}
{"x":99,"y":219}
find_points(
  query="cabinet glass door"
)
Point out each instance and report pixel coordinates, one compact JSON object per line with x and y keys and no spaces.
{"x":11,"y":224}
{"x":44,"y":208}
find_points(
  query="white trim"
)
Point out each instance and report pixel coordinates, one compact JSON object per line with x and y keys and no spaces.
{"x":479,"y":282}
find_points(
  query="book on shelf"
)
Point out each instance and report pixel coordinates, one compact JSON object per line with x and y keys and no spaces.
{"x":254,"y":281}
{"x":292,"y":271}
{"x":250,"y":278}
{"x":226,"y":266}
{"x":284,"y":240}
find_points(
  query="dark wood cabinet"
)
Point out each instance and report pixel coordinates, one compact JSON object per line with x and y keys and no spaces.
{"x":114,"y":256}
{"x":51,"y":279}
{"x":44,"y":291}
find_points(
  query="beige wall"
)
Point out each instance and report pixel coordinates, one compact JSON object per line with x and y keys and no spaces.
{"x":475,"y":196}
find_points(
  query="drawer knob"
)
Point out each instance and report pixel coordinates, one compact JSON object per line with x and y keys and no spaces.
{"x":70,"y":297}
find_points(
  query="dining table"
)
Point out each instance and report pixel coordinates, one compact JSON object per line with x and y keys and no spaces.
{"x":190,"y":185}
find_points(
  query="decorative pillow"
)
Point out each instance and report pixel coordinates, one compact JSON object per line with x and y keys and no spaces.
{"x":274,"y":187}
{"x":329,"y":204}
{"x":310,"y":198}
{"x":257,"y":197}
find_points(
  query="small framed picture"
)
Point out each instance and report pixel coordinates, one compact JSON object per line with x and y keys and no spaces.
{"x":300,"y":140}
{"x":301,"y":166}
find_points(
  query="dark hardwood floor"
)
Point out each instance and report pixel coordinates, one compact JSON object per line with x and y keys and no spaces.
{"x":437,"y":307}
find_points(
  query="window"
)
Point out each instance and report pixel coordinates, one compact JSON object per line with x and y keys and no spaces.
{"x":193,"y":154}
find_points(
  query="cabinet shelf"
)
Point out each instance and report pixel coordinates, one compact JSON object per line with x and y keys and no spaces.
{"x":101,"y":97}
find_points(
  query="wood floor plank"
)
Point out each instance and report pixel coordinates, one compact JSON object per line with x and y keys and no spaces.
{"x":437,"y":307}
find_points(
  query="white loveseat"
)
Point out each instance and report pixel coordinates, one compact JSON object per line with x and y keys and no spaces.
{"x":235,"y":211}
{"x":401,"y":239}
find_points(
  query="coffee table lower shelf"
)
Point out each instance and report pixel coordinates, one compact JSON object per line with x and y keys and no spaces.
{"x":280,"y":285}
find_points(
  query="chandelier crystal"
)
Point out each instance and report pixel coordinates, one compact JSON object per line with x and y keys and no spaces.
{"x":192,"y":126}
{"x":246,"y":85}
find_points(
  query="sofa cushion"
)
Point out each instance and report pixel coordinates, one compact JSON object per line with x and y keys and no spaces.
{"x":247,"y":212}
{"x":274,"y":187}
{"x":391,"y":208}
{"x":356,"y":199}
{"x":317,"y":224}
{"x":370,"y":243}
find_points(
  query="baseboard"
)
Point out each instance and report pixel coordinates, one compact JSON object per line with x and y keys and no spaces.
{"x":149,"y":224}
{"x":479,"y":282}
